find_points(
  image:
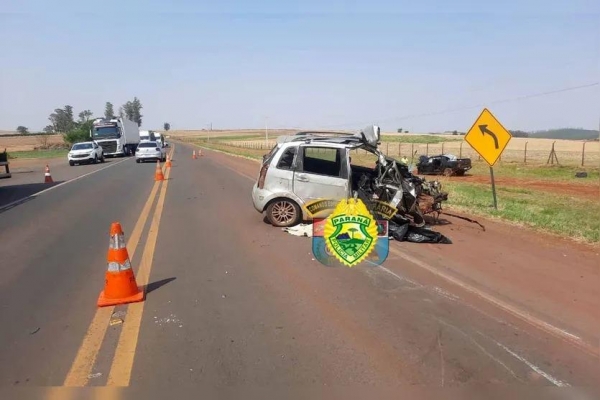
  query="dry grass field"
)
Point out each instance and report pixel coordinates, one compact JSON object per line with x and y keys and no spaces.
{"x":26,"y":143}
{"x":519,"y":150}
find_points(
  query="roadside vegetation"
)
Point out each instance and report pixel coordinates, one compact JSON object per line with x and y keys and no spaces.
{"x":538,"y":172}
{"x":563,"y":215}
{"x":49,"y":153}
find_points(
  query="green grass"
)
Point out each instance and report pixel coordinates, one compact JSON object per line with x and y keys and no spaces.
{"x":541,"y":172}
{"x":562,"y":215}
{"x":54,"y":153}
{"x":419,"y":139}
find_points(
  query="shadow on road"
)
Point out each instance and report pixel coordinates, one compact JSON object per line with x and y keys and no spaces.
{"x":155,"y":285}
{"x":15,"y":195}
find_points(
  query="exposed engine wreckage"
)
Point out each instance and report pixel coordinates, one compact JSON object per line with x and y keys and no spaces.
{"x":390,"y":191}
{"x":391,"y":182}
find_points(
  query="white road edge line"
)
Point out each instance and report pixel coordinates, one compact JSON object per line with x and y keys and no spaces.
{"x":537,"y":369}
{"x":9,"y":205}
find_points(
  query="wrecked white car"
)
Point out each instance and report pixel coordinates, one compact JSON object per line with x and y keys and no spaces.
{"x":312,"y":166}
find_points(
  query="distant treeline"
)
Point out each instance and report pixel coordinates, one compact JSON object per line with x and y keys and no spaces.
{"x":563,"y":133}
{"x":566,"y":133}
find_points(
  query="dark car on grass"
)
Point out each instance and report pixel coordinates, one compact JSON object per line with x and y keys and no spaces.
{"x":443,"y":164}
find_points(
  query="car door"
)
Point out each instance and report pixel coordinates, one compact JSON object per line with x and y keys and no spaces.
{"x":321,"y":173}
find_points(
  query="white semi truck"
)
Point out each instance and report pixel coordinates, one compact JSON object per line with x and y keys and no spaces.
{"x":152,"y":136}
{"x":117,"y":136}
{"x":148,"y":135}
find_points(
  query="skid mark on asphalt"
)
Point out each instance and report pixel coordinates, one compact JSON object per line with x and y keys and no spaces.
{"x":480,"y":347}
{"x":122,"y":365}
{"x":522,"y":315}
{"x":84,"y":361}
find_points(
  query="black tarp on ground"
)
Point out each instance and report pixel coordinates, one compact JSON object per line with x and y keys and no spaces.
{"x":407,"y":233}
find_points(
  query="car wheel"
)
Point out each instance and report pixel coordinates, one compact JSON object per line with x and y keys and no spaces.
{"x":71,"y":163}
{"x":448,"y":172}
{"x":102,"y":159}
{"x":283,"y":213}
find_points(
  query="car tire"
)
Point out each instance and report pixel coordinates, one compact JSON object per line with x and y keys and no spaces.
{"x":283,"y":213}
{"x":448,"y":172}
{"x":138,"y":161}
{"x":71,"y":163}
{"x":102,"y":159}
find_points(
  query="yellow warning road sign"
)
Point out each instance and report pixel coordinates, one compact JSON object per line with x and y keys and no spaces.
{"x":488,"y":137}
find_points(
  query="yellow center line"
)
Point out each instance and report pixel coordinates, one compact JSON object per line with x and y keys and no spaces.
{"x":122,"y":365}
{"x":88,"y":351}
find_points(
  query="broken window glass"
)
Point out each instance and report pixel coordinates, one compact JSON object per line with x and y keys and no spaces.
{"x":321,"y":161}
{"x":287,"y":158}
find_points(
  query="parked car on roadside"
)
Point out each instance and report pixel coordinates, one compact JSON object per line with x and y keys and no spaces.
{"x":150,"y":150}
{"x":444,"y":164}
{"x":313,"y":166}
{"x":85,"y":153}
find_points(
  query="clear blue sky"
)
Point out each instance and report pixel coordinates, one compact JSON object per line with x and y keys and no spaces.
{"x":303,"y":64}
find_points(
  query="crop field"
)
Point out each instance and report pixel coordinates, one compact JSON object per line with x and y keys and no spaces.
{"x":519,"y":150}
{"x":27,"y":143}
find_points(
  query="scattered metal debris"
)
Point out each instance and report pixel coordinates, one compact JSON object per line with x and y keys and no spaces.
{"x":96,"y":375}
{"x":33,"y":332}
{"x":171,"y":319}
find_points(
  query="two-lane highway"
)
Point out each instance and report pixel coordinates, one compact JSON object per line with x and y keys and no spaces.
{"x":53,"y":261}
{"x":234,"y":302}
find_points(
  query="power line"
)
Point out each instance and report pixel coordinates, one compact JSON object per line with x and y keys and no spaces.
{"x":467,"y":107}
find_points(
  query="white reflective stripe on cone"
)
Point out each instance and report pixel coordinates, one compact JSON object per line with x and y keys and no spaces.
{"x":114,"y":266}
{"x":117,"y":241}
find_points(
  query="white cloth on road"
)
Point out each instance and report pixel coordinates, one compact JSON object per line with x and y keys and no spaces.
{"x":300,"y":230}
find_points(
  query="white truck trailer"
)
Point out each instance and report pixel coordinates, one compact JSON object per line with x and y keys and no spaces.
{"x":117,"y":136}
{"x":148,"y":135}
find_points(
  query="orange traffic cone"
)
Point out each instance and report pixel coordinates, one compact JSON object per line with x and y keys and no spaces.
{"x":120,"y":286}
{"x":194,"y":155}
{"x":48,"y":177}
{"x":168,"y":163}
{"x":158,"y":175}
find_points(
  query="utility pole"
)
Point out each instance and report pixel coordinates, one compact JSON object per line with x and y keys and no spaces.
{"x":266,"y":133}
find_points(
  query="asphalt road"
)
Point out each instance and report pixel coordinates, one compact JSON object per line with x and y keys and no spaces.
{"x":235,"y":303}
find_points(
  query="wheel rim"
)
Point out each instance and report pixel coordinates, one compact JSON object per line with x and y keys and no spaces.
{"x":283,"y":212}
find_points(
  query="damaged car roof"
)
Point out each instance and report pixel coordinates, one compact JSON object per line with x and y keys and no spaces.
{"x":369,"y":136}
